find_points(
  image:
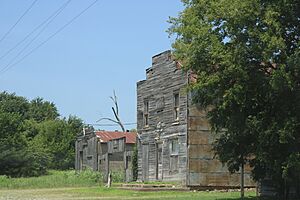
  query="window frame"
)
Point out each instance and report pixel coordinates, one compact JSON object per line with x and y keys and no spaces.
{"x":174,"y":146}
{"x":174,"y":155}
{"x":176,"y":106}
{"x":146,"y":113}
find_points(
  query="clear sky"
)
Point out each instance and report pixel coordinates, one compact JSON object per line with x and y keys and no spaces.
{"x":107,"y":48}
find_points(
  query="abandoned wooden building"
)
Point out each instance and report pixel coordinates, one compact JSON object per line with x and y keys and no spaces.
{"x":105,"y":151}
{"x":175,"y":139}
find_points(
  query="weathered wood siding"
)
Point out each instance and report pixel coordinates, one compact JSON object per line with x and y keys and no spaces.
{"x":203,"y":169}
{"x":116,"y":145}
{"x":164,"y":80}
{"x":193,"y":161}
{"x":87,"y":152}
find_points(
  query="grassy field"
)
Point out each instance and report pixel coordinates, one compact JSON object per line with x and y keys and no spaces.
{"x":92,"y":193}
{"x":54,"y":179}
{"x":69,"y":185}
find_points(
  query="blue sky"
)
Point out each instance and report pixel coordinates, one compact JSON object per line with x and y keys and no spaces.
{"x":107,"y":48}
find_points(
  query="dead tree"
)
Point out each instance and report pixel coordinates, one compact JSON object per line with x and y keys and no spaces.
{"x":115,"y":110}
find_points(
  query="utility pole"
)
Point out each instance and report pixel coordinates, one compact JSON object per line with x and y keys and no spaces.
{"x":242,"y":181}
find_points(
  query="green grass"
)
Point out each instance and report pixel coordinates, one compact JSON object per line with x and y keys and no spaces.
{"x":111,"y":192}
{"x":116,"y":194}
{"x":88,"y":185}
{"x":54,"y":179}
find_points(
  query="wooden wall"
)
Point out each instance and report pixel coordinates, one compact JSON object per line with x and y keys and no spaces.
{"x":203,"y":168}
{"x":196,"y":165}
{"x":164,"y":79}
{"x":86,"y":152}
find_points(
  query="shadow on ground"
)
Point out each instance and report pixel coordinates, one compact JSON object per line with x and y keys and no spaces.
{"x":247,"y":198}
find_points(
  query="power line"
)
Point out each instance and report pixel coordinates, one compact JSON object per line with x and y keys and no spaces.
{"x":37,"y":35}
{"x":35,"y":29}
{"x":50,"y":37}
{"x":125,"y":124}
{"x":15,"y":24}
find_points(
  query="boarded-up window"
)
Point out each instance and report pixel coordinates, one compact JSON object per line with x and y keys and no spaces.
{"x":80,"y":160}
{"x":146,"y":113}
{"x":159,"y":153}
{"x":174,"y":149}
{"x":128,"y":160}
{"x":115,"y":144}
{"x":176,"y":106}
{"x":174,"y":163}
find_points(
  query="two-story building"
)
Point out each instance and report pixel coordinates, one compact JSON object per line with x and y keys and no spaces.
{"x":175,"y":138}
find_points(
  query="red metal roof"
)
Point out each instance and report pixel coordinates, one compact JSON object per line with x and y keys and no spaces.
{"x":106,"y":136}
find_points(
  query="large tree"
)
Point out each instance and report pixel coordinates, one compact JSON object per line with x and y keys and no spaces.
{"x":33,"y":138}
{"x":245,"y":54}
{"x":41,"y":110}
{"x":18,"y":157}
{"x":58,"y":137}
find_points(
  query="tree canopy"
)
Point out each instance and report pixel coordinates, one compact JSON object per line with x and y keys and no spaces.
{"x":33,"y":138}
{"x":245,"y":54}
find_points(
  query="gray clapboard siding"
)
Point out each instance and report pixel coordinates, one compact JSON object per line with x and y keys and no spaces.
{"x":113,"y":155}
{"x":163,"y":81}
{"x":193,"y":163}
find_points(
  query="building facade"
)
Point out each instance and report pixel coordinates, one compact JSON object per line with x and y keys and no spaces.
{"x":105,"y":151}
{"x":175,"y":139}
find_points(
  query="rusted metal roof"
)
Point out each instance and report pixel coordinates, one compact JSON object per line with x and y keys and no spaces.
{"x":106,"y":136}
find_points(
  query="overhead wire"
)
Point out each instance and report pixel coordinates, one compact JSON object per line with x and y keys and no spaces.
{"x":17,"y":22}
{"x":35,"y":29}
{"x":125,"y":124}
{"x":37,"y":35}
{"x":50,"y":37}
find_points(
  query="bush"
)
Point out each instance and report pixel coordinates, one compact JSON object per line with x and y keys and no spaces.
{"x":117,"y":176}
{"x":135,"y":163}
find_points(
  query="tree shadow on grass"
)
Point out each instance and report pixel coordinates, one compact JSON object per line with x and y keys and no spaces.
{"x":247,"y":198}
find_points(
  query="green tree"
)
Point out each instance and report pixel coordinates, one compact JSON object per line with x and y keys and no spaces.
{"x":33,"y":138}
{"x":19,"y":157}
{"x":41,"y":110}
{"x":245,"y":54}
{"x":58,"y":136}
{"x":10,"y":103}
{"x":12,"y":144}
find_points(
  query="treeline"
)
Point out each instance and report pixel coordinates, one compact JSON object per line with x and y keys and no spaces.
{"x":33,"y":138}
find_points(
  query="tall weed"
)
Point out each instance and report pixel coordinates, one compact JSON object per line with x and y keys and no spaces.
{"x":53,"y":180}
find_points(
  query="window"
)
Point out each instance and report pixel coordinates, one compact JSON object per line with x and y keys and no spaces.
{"x":146,"y":113}
{"x":174,"y":149}
{"x":80,"y":160}
{"x":159,"y":153}
{"x":174,"y":164}
{"x":128,"y":160}
{"x":176,"y":106}
{"x":89,"y":157}
{"x":115,"y":144}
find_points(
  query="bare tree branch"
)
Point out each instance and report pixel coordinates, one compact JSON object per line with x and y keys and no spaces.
{"x":115,"y":110}
{"x":109,"y":119}
{"x":115,"y":100}
{"x":118,"y":119}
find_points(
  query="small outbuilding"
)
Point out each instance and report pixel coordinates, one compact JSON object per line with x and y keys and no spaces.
{"x":105,"y":151}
